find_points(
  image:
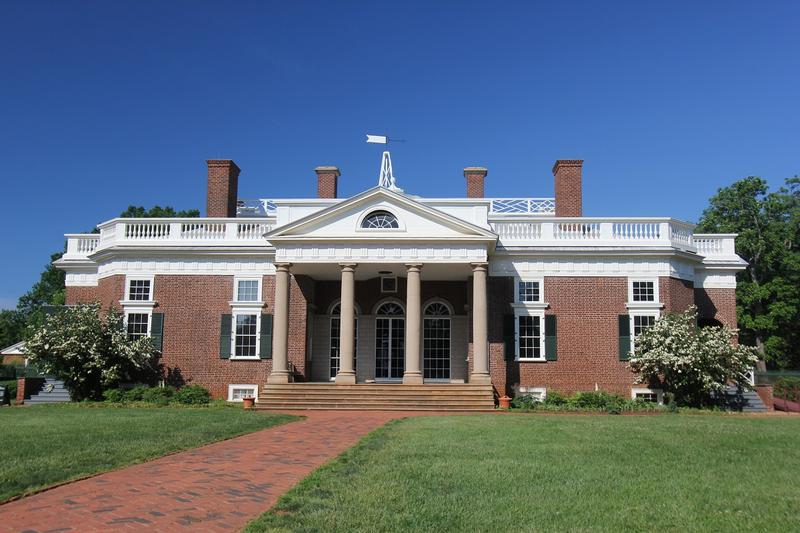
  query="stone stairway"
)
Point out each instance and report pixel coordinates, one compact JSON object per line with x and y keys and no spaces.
{"x":378,"y":397}
{"x":52,"y":391}
{"x":744,"y":401}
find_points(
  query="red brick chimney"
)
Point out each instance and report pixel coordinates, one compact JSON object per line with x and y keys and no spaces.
{"x":476,"y":176}
{"x":223,"y":188}
{"x":569,"y":195}
{"x":327,"y":181}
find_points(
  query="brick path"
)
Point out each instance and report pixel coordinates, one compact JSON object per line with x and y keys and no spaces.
{"x":218,"y":487}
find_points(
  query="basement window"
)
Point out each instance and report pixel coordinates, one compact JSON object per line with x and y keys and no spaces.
{"x":236,"y":393}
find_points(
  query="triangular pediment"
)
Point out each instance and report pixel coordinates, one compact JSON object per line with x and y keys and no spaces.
{"x":416,"y":222}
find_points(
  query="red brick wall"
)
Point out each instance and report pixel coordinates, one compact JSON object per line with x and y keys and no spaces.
{"x":568,"y":187}
{"x":108,"y":292}
{"x":718,"y":304}
{"x":677,"y":295}
{"x":588,"y":339}
{"x":192,"y":308}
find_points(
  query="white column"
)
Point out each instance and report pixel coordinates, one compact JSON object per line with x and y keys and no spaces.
{"x":346,"y":374}
{"x":412,"y":374}
{"x":480,"y":340}
{"x":280,"y":326}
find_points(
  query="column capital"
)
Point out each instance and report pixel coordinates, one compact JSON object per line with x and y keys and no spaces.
{"x":283,"y":267}
{"x":480,"y":266}
{"x":413,"y":267}
{"x":348,"y":267}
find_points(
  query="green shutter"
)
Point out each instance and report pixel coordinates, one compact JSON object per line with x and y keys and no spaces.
{"x":509,"y":337}
{"x":225,"y":337}
{"x":624,"y":337}
{"x":550,"y":342}
{"x":157,"y":330}
{"x":266,"y":337}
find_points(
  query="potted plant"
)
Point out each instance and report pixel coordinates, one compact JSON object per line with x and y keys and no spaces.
{"x":248,"y":402}
{"x":505,"y":402}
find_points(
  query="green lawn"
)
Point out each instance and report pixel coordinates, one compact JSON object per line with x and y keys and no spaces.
{"x":43,"y":445}
{"x":556,"y":473}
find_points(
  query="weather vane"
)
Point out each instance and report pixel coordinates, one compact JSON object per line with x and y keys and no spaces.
{"x":386,"y":178}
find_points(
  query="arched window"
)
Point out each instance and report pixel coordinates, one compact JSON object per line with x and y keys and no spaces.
{"x":436,"y":341}
{"x":336,"y":339}
{"x":390,"y":309}
{"x":437,"y":309}
{"x":380,"y":220}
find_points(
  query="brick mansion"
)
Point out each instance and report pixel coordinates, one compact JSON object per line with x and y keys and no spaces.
{"x":387,"y":299}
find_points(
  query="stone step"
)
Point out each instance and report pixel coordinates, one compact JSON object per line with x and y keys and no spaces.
{"x":378,"y":396}
{"x":376,"y":406}
{"x":375,"y":392}
{"x":294,"y":407}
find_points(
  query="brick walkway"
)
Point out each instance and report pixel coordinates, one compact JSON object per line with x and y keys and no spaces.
{"x":219,"y":487}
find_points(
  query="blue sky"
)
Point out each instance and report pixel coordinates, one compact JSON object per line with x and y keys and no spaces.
{"x":106,"y":104}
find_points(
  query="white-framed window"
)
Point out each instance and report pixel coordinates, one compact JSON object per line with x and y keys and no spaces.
{"x":529,"y":330}
{"x":137,"y":323}
{"x":380,"y":220}
{"x":643,"y":291}
{"x":236,"y":393}
{"x":538,"y":393}
{"x":245,"y":335}
{"x":529,"y":291}
{"x":139,"y":289}
{"x":388,"y":284}
{"x":247,"y":289}
{"x":640,"y":322}
{"x":647,"y":395}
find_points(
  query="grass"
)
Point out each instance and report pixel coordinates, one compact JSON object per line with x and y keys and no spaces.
{"x":48,"y":444}
{"x":556,"y":473}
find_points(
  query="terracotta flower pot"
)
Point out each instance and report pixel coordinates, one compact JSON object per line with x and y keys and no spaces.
{"x":248,"y":402}
{"x":505,"y":402}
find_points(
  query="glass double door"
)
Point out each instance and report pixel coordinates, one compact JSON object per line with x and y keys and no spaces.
{"x":390,"y":335}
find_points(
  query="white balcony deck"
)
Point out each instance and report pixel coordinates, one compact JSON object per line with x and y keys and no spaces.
{"x":536,"y":231}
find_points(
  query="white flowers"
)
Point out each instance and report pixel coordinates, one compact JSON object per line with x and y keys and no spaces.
{"x":688,"y":361}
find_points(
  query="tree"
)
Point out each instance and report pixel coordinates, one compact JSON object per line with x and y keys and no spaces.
{"x":690,"y":362}
{"x":11,"y":327}
{"x":768,"y":291}
{"x":90,"y":351}
{"x":157,"y":211}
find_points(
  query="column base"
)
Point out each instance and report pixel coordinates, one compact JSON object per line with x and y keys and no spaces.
{"x":480,"y":379}
{"x":414,"y":378}
{"x":345,"y":379}
{"x":278,"y":378}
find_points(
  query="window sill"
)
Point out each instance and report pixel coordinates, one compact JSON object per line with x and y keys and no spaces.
{"x":530,"y":305}
{"x":246,"y":305}
{"x":245,"y":358}
{"x":644,"y":305}
{"x":530,"y":360}
{"x":137,"y":304}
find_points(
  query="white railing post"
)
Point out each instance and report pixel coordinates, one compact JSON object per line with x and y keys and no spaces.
{"x":230,"y":231}
{"x":175,"y":230}
{"x":665,"y":233}
{"x":548,"y":231}
{"x":606,"y":231}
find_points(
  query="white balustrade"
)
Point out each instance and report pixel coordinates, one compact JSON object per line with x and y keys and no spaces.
{"x":715,"y":245}
{"x":511,"y":230}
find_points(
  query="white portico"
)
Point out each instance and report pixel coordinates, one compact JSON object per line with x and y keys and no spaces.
{"x":380,"y":231}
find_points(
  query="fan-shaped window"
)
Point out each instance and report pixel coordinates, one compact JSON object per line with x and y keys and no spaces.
{"x":437,"y":309}
{"x":390,"y":309}
{"x":380,"y":220}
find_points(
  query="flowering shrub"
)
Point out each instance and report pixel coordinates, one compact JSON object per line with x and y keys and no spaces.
{"x":90,"y":352}
{"x":689,"y":362}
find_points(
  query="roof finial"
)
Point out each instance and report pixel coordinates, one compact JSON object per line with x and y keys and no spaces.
{"x":386,"y":178}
